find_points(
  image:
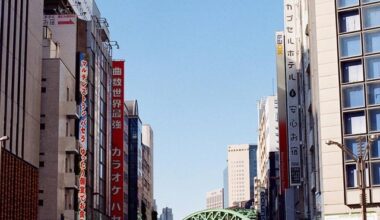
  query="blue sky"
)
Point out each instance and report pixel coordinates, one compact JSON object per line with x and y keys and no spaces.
{"x":197,"y":69}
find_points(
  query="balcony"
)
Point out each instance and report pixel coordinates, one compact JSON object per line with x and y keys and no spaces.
{"x":70,"y":145}
{"x":70,"y":180}
{"x":70,"y":109}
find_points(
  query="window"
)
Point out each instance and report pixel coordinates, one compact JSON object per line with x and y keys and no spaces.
{"x":353,"y":96}
{"x":352,"y":71}
{"x":372,"y":42}
{"x":374,"y":119}
{"x":376,"y":173}
{"x":369,"y":1}
{"x":372,"y":65}
{"x":347,"y":3}
{"x":352,"y":145}
{"x":349,"y":21}
{"x":371,"y":16}
{"x":375,"y":149}
{"x":42,"y":126}
{"x":354,"y":122}
{"x":350,"y":45}
{"x":351,"y":176}
{"x":43,"y":89}
{"x":41,"y":202}
{"x":373,"y":93}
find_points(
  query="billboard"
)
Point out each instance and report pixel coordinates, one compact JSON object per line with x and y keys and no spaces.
{"x":281,"y":103}
{"x":117,"y":155}
{"x":83,"y":89}
{"x":292,"y":68}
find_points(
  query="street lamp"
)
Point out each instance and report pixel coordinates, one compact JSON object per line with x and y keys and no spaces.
{"x":360,"y":165}
{"x":4,"y":138}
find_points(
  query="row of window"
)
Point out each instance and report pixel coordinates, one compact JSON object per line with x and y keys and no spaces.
{"x":352,"y":70}
{"x":351,"y":3}
{"x":355,"y":122}
{"x":351,"y":44}
{"x":350,"y":21}
{"x":359,"y":43}
{"x":352,"y":176}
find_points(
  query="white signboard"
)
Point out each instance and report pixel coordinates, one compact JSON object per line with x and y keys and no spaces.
{"x":292,"y":66}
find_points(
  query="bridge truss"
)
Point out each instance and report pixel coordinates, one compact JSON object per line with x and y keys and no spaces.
{"x":223,"y":214}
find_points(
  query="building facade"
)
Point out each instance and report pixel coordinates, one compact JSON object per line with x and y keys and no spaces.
{"x":148,"y":206}
{"x":242,"y":168}
{"x":345,"y":64}
{"x":20,"y":96}
{"x":167,"y":214}
{"x":135,"y":169}
{"x":215,"y":199}
{"x":85,"y":53}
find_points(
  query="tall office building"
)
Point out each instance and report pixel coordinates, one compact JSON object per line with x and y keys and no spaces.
{"x":242,"y":168}
{"x":268,"y":136}
{"x":135,"y":169}
{"x":334,"y":46}
{"x":20,"y":92}
{"x":83,"y":70}
{"x":147,"y":169}
{"x":225,"y":188}
{"x":167,"y":214}
{"x":265,"y":188}
{"x":215,"y":199}
{"x":345,"y":49}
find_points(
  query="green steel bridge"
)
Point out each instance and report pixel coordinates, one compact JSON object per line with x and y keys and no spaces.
{"x":224,"y":214}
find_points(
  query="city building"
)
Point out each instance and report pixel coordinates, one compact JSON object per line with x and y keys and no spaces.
{"x":167,"y":214}
{"x":82,"y":65}
{"x":215,"y":199}
{"x":267,"y":145}
{"x":242,"y":168}
{"x":135,"y":169}
{"x":344,"y":61}
{"x":225,"y":188}
{"x":333,"y":47}
{"x":147,"y":169}
{"x":20,"y":96}
{"x":59,"y":145}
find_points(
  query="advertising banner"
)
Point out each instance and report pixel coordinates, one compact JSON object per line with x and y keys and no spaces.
{"x":292,"y":67}
{"x":83,"y":89}
{"x":117,"y":173}
{"x":282,"y":117}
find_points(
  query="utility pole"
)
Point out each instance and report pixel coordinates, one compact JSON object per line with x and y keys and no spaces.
{"x":360,"y":165}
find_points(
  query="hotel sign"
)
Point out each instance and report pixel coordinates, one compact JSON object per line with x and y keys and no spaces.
{"x":83,"y":88}
{"x":292,"y":67}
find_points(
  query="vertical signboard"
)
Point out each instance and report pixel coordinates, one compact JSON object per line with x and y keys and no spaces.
{"x":83,"y":89}
{"x":282,"y":120}
{"x":292,"y":66}
{"x":117,"y":174}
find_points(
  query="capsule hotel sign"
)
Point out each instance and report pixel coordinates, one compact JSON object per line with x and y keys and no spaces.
{"x":292,"y":66}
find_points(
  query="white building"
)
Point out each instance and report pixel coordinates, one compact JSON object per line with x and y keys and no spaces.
{"x":214,"y":199}
{"x":268,"y":135}
{"x":241,"y":171}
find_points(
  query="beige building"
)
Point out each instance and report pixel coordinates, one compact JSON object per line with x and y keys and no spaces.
{"x":59,"y":145}
{"x":147,"y":163}
{"x":20,"y":96}
{"x":345,"y":67}
{"x":214,"y":199}
{"x":341,"y":86}
{"x":241,"y":163}
{"x":268,"y":136}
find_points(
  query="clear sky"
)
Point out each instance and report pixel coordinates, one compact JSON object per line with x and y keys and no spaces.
{"x":197,"y":69}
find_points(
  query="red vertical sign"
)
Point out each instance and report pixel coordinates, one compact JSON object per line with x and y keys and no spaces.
{"x":117,"y":177}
